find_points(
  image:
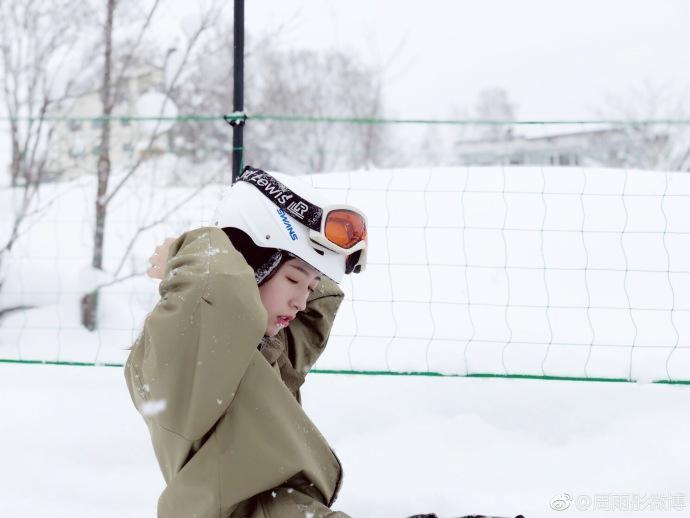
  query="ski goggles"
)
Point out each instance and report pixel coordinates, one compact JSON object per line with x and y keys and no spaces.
{"x":338,"y":228}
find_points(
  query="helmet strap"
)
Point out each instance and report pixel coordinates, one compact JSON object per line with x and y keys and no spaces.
{"x":302,"y":210}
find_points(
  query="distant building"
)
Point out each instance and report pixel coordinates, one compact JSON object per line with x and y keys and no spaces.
{"x":609,"y":147}
{"x":75,"y":144}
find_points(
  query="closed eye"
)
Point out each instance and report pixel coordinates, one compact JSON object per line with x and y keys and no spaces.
{"x":293,"y":281}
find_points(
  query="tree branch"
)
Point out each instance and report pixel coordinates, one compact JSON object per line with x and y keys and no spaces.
{"x":130,"y":56}
{"x":117,"y":281}
{"x":164,"y":217}
{"x":154,"y":136}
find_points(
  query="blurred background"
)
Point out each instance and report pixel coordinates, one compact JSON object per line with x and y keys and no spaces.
{"x":515,"y":121}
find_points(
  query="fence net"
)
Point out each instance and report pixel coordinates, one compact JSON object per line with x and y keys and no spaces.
{"x":563,"y":268}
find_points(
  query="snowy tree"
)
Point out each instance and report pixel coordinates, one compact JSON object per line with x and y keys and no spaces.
{"x":37,"y":85}
{"x":493,"y":104}
{"x":663,"y":145}
{"x":299,"y":84}
{"x":310,"y":84}
{"x":122,"y":48}
{"x":38,"y":40}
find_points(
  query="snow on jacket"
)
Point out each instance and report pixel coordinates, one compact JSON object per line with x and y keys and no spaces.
{"x":230,"y":437}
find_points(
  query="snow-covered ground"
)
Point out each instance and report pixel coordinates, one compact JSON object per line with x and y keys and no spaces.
{"x":74,"y":446}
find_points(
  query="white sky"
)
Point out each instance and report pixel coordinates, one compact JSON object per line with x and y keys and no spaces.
{"x":556,"y":58}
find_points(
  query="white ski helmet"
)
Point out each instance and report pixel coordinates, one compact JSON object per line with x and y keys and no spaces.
{"x":278,"y":211}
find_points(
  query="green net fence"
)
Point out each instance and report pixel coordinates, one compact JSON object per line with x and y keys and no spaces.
{"x":538,"y":249}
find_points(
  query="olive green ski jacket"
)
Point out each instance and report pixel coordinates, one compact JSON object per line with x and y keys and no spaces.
{"x":228,"y":431}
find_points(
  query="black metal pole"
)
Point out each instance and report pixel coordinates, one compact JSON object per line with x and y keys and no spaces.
{"x":238,"y":91}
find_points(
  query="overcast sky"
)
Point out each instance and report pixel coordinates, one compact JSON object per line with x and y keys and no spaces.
{"x":556,"y":58}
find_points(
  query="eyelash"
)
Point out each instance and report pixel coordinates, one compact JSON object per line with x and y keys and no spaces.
{"x":293,"y":281}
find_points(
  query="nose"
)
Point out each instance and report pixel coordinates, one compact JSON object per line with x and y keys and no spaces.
{"x":299,"y":301}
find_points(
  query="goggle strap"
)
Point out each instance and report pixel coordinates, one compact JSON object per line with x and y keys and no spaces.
{"x":352,"y":261}
{"x":306,"y":213}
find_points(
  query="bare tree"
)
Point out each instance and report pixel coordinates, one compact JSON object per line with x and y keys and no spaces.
{"x":36,"y":38}
{"x":303,"y":84}
{"x":493,"y":104}
{"x":90,"y":301}
{"x":36,"y":41}
{"x":663,"y":145}
{"x":294,"y":84}
{"x":115,"y":72}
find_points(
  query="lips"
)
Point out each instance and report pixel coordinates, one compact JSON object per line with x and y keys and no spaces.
{"x":284,"y":320}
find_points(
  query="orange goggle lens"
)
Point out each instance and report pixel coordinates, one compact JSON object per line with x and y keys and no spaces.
{"x":345,"y":228}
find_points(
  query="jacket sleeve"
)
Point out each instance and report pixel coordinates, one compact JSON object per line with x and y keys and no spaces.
{"x":307,"y":335}
{"x":196,"y":344}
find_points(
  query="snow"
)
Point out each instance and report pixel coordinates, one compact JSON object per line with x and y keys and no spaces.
{"x":155,"y":104}
{"x":408,"y":444}
{"x":153,"y":407}
{"x":559,"y":271}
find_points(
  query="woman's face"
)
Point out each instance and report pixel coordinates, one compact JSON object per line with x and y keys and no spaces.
{"x":286,"y":292}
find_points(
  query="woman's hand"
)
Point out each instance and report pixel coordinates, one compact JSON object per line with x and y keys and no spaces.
{"x":159,"y":259}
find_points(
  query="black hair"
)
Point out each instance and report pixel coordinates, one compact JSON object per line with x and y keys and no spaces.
{"x":264,"y":261}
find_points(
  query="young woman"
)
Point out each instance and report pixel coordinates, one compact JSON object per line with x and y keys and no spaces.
{"x":246,"y":308}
